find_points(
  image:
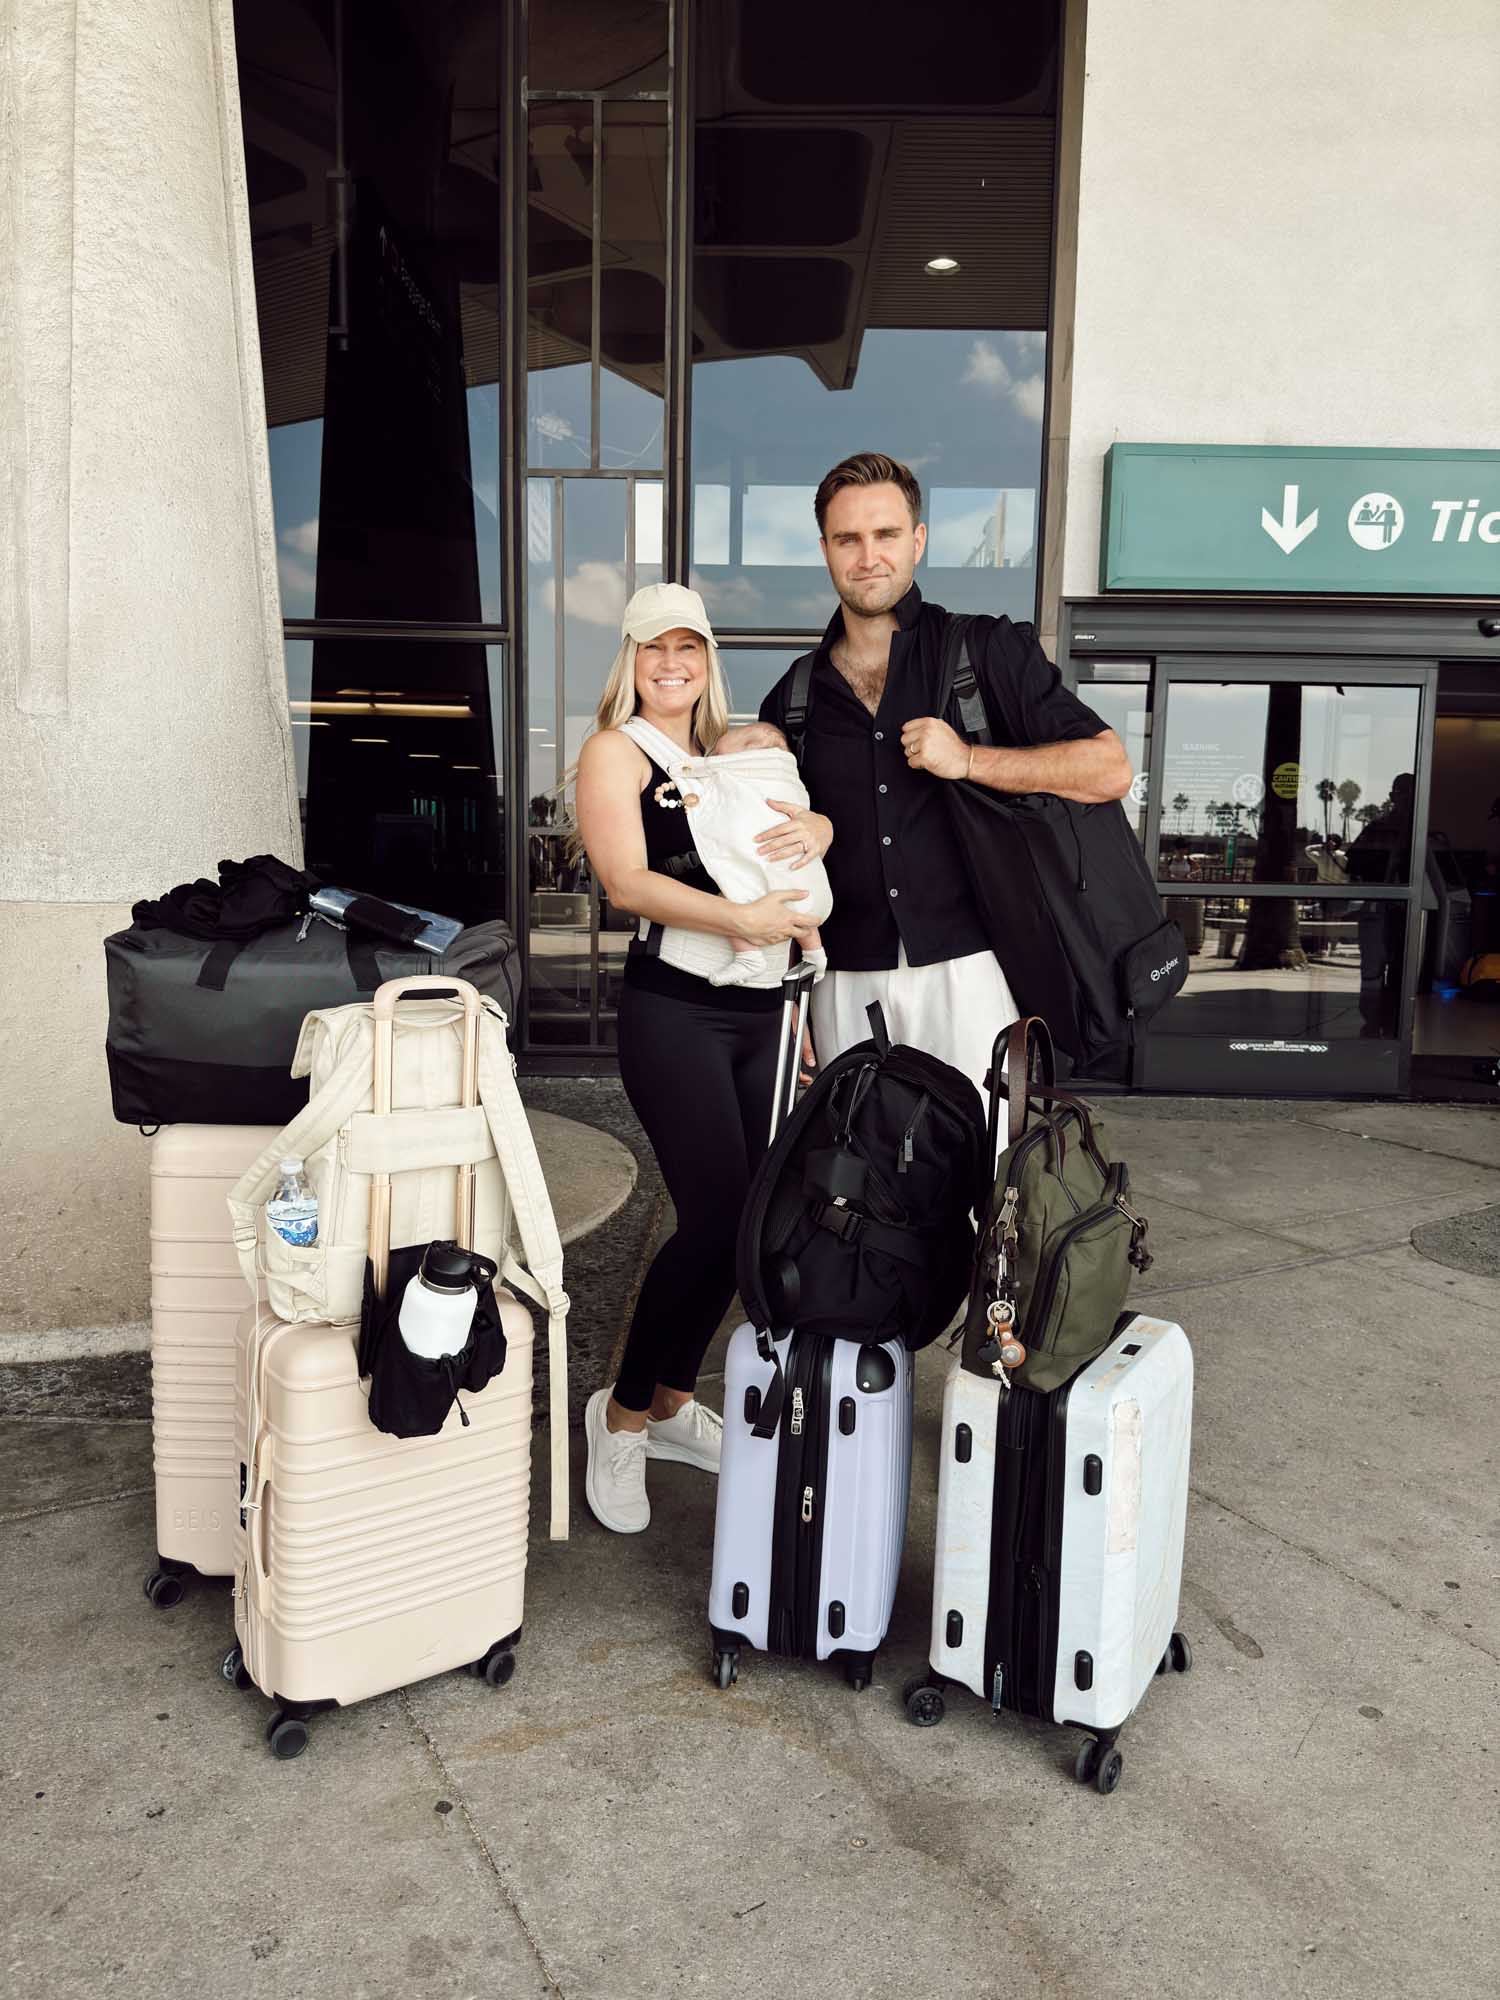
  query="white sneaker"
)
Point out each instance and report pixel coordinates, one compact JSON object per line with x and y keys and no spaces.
{"x":693,"y":1437}
{"x":615,"y":1482}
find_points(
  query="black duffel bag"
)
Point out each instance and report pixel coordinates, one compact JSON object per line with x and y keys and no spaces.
{"x":1063,"y":893}
{"x":209,"y":986}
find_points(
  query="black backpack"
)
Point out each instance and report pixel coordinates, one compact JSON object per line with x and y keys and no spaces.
{"x":1063,"y":892}
{"x":857,"y":1222}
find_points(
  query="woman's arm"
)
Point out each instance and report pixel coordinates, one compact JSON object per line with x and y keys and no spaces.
{"x":610,"y":770}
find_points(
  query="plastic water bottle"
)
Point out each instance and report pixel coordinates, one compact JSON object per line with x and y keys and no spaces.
{"x":293,"y":1210}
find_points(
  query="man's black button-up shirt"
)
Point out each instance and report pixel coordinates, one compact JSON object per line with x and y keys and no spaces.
{"x":897,"y":875}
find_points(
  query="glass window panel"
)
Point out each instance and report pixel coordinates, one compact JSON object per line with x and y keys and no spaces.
{"x":1119,"y":692}
{"x":752,"y":672}
{"x":377,"y":299}
{"x":962,"y":409}
{"x":611,"y":45}
{"x":399,"y":753}
{"x":1270,"y":968}
{"x":632,"y":286}
{"x":1280,"y":782}
{"x":560,"y":285}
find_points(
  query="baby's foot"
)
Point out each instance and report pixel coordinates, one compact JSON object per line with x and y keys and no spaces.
{"x":741,"y":969}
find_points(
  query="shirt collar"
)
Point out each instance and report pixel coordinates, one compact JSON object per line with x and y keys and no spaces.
{"x":908,"y":611}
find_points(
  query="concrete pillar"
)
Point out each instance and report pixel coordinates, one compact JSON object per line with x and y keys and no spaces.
{"x":143,"y":719}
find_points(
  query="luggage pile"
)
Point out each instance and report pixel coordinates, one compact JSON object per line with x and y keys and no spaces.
{"x":341,"y":1384}
{"x":1066,"y":1420}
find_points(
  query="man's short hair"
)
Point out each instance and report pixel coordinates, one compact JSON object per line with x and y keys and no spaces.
{"x":868,"y":468}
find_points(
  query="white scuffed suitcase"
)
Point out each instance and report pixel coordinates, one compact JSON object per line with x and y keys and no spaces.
{"x":198,"y":1293}
{"x":810,"y":1522}
{"x":1059,"y":1540}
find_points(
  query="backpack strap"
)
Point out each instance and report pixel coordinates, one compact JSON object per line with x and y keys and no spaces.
{"x":960,"y":681}
{"x":542,"y":1281}
{"x":798,"y":702}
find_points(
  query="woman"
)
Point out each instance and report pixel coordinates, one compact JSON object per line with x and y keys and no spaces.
{"x":698,"y":1061}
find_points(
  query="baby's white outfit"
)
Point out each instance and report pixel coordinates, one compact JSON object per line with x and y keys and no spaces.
{"x":725,"y":802}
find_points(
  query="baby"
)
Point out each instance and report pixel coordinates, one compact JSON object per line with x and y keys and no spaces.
{"x":729,"y":809}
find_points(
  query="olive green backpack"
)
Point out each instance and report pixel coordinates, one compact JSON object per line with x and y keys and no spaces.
{"x":1059,"y":1235}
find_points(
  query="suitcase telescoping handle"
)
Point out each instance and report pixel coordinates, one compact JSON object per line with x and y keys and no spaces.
{"x":796,"y":993}
{"x":425,"y":986}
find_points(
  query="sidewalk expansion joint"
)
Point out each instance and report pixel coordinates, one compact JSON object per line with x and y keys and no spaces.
{"x":1307,"y":1263}
{"x":1359,"y":1582}
{"x":455,"y":1791}
{"x":1405,"y":1145}
{"x":72,"y":1506}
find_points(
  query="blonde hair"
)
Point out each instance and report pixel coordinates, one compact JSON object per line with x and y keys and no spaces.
{"x":620,"y":700}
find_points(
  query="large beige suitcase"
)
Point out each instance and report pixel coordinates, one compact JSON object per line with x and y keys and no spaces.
{"x":198,"y":1294}
{"x":362,"y":1561}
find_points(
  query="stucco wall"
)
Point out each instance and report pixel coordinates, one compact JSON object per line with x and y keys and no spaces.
{"x":1287,"y":228}
{"x":145,"y":729}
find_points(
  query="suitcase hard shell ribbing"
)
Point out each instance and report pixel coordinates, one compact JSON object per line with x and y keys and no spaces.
{"x":1059,"y":1539}
{"x":365,"y":1562}
{"x":197,"y":1296}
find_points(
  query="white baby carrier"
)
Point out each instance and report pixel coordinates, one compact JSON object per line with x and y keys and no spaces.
{"x":724,"y":800}
{"x":412,"y":1149}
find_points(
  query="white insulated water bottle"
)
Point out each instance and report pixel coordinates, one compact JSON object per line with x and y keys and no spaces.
{"x":439,"y":1303}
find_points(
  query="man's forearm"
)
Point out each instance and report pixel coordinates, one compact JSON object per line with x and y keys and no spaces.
{"x":1091,"y":771}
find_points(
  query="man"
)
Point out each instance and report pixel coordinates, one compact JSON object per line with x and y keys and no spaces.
{"x":875,"y":758}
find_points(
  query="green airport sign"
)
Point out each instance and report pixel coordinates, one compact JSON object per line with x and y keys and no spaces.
{"x":1265,"y":517}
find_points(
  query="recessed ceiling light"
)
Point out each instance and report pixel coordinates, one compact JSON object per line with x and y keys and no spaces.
{"x":941,"y":267}
{"x":369,"y":739}
{"x":433,"y":755}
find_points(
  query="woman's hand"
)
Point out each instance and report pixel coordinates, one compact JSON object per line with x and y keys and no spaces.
{"x":771,"y":919}
{"x":806,"y":836}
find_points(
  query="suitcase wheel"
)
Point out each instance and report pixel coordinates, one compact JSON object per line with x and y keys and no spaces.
{"x":498,"y":1666}
{"x":234,"y":1670}
{"x":1180,"y":1653}
{"x":924,"y":1703}
{"x":163,"y":1589}
{"x":857,"y":1669}
{"x":726,"y":1666}
{"x":286,"y":1734}
{"x":1098,"y":1765}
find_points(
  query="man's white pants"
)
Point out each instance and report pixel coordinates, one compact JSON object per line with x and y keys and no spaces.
{"x":953,"y":1010}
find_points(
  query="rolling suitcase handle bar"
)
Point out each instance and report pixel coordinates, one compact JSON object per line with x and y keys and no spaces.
{"x":429,"y":985}
{"x":796,"y":993}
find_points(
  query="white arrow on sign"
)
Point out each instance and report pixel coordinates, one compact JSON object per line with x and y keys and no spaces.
{"x":1288,"y":531}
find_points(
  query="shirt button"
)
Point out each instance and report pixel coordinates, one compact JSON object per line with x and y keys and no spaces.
{"x":895,"y":892}
{"x":885,"y":840}
{"x":880,"y":736}
{"x":880,"y":788}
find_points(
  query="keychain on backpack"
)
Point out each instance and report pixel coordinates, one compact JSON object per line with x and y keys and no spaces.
{"x":1002,"y":1352}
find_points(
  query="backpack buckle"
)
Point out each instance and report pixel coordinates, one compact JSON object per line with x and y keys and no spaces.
{"x":839,"y":1220}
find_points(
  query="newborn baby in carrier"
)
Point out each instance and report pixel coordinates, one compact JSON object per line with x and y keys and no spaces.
{"x":725,"y":796}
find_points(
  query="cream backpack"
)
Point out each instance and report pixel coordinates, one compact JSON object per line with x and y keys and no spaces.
{"x":406,"y":1155}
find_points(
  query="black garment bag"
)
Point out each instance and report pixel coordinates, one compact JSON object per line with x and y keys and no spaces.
{"x":1063,"y":892}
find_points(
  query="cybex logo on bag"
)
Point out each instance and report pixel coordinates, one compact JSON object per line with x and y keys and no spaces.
{"x":1162,"y":970}
{"x":196,"y":1520}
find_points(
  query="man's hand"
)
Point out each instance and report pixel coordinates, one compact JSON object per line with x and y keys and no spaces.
{"x":809,"y":1059}
{"x":930,"y":745}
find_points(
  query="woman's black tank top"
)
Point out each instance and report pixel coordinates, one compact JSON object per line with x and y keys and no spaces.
{"x":669,"y":841}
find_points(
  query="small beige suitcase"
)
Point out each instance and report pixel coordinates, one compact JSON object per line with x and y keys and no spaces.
{"x":198,"y":1294}
{"x":363,"y":1561}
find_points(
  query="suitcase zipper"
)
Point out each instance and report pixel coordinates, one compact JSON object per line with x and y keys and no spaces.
{"x":799,"y":1412}
{"x":797,"y":1525}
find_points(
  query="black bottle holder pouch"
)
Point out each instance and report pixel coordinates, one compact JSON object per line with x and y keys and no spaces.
{"x":410,"y":1395}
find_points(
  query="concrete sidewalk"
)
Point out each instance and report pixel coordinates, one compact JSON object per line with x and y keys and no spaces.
{"x":1313,"y":1810}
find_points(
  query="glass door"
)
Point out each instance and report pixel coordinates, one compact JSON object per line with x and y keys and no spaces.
{"x":1285,"y":818}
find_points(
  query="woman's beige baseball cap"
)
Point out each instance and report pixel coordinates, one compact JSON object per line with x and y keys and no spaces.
{"x":664,"y":607}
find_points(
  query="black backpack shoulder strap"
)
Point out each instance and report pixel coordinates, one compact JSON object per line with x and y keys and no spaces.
{"x":798,"y":702}
{"x":959,"y":679}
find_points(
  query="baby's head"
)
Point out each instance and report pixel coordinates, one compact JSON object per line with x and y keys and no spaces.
{"x":750,"y":736}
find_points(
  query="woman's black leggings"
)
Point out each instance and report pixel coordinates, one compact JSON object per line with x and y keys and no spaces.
{"x":700,"y":1080}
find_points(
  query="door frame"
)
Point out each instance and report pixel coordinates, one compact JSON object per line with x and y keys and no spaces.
{"x":1358,"y":640}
